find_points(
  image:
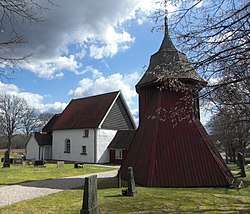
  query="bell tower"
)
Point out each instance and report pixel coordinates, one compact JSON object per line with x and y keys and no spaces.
{"x":171,"y":147}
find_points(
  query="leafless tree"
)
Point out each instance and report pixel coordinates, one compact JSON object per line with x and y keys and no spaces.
{"x":12,"y":114}
{"x":34,"y":121}
{"x":210,"y":33}
{"x":228,"y":129}
{"x":30,"y":121}
{"x":12,"y":15}
{"x":215,"y":35}
{"x":44,"y":118}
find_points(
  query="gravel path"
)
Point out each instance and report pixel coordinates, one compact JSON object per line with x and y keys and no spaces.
{"x":29,"y":190}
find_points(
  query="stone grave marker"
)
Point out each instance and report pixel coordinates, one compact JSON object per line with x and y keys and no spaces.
{"x":18,"y":161}
{"x":6,"y":162}
{"x":119,"y":179}
{"x":131,"y":191}
{"x":39,"y":163}
{"x":131,"y":182}
{"x":90,"y":204}
{"x":60,"y":164}
{"x":240,"y":160}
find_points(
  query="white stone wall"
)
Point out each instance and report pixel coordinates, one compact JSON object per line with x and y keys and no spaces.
{"x":104,"y":137}
{"x":32,"y":148}
{"x":46,"y":152}
{"x":76,"y":141}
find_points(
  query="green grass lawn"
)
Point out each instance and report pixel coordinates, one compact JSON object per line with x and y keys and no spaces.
{"x":17,"y":174}
{"x":148,"y":200}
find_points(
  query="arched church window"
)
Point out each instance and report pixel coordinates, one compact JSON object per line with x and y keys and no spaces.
{"x":67,"y":146}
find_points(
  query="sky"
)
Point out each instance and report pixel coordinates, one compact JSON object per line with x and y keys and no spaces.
{"x":85,"y":48}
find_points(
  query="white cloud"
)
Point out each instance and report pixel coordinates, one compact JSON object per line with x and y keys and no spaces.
{"x":114,"y":41}
{"x":86,"y":26}
{"x":101,"y":84}
{"x":95,"y":73}
{"x":78,"y":24}
{"x":56,"y":107}
{"x":8,"y":88}
{"x":147,"y":8}
{"x":100,"y":52}
{"x":33,"y":100}
{"x":52,"y":68}
{"x":135,"y":114}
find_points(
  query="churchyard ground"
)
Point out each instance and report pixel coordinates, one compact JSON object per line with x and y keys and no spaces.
{"x":25,"y":173}
{"x":148,"y":200}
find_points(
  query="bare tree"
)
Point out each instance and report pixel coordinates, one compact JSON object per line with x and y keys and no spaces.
{"x":215,"y":35}
{"x":228,"y":129}
{"x":12,"y":15}
{"x":12,"y":114}
{"x":211,"y":33}
{"x":30,"y":121}
{"x":45,"y":117}
{"x":34,"y":121}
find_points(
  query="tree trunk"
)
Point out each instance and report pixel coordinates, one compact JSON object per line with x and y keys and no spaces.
{"x":234,"y":154}
{"x":226,"y":154}
{"x":9,"y":144}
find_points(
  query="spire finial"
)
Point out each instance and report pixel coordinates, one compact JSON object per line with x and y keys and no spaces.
{"x":167,"y":43}
{"x":166,"y":24}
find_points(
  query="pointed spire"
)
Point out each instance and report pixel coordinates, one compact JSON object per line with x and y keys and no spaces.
{"x":167,"y":42}
{"x":166,"y":24}
{"x":170,"y":62}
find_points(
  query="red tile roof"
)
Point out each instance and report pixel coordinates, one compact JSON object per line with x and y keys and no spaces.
{"x":86,"y":112}
{"x":49,"y":126}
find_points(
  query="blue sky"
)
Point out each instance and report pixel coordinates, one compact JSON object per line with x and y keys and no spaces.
{"x":85,"y":48}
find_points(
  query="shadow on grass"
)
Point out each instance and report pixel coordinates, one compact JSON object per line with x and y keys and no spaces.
{"x":57,"y":183}
{"x":65,"y":183}
{"x":114,"y":196}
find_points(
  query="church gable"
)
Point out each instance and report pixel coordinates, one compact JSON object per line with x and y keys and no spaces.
{"x":118,"y":117}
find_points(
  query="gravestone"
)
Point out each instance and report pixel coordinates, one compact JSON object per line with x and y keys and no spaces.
{"x":131,"y":182}
{"x":90,"y":204}
{"x":131,"y":191}
{"x":78,"y":165}
{"x":119,"y":179}
{"x":240,"y":159}
{"x":39,"y":163}
{"x":6,"y":162}
{"x":60,"y":164}
{"x":11,"y":160}
{"x":18,"y":161}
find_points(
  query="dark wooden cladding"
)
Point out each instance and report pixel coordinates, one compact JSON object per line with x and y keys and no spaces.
{"x":181,"y":156}
{"x":172,"y":150}
{"x":122,"y":139}
{"x":146,"y":100}
{"x":118,"y":117}
{"x":114,"y":160}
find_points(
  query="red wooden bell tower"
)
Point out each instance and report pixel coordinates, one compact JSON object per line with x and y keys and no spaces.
{"x":171,"y":147}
